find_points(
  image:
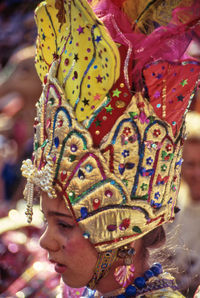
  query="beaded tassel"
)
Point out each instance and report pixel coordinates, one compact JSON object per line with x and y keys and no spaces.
{"x":29,"y":199}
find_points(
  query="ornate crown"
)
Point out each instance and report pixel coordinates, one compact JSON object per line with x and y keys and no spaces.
{"x":119,"y":169}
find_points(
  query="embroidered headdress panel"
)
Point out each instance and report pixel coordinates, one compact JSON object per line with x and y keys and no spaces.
{"x":114,"y":157}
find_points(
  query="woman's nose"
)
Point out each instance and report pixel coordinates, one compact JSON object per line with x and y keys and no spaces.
{"x":48,"y":242}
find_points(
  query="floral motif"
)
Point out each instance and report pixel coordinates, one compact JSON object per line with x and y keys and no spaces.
{"x":149,"y":160}
{"x":157,"y":195}
{"x":156,"y":132}
{"x":168,"y":147}
{"x":127,"y":131}
{"x":125,"y":153}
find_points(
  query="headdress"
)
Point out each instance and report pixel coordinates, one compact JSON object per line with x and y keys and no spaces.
{"x":114,"y":155}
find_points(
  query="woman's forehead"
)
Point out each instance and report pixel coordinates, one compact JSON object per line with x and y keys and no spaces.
{"x":56,"y":205}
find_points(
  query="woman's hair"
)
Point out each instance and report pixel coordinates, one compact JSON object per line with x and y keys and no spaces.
{"x":155,"y":238}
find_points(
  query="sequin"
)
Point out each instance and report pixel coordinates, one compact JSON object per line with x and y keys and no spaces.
{"x":89,"y":168}
{"x":108,"y":193}
{"x":84,"y":212}
{"x":56,"y":142}
{"x":96,"y":203}
{"x":63,"y":175}
{"x":111,"y":228}
{"x":81,"y":175}
{"x":73,"y":148}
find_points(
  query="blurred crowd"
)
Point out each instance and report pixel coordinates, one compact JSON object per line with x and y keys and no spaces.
{"x":24,"y":271}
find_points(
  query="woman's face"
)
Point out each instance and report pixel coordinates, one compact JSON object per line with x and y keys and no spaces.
{"x":74,"y":256}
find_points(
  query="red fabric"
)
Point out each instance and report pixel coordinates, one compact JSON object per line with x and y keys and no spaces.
{"x":104,"y":126}
{"x":179,"y":80}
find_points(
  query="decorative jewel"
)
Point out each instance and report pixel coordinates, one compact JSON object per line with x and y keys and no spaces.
{"x":121,"y":168}
{"x":120,"y":104}
{"x":125,"y":224}
{"x":56,"y":142}
{"x":60,"y":123}
{"x":71,"y":195}
{"x":63,"y":175}
{"x":73,"y":148}
{"x":111,"y":228}
{"x":108,"y":193}
{"x":96,"y":203}
{"x":72,"y":157}
{"x":89,"y":168}
{"x":137,"y":229}
{"x":86,"y":235}
{"x":124,"y":274}
{"x":84,"y":212}
{"x":81,"y":175}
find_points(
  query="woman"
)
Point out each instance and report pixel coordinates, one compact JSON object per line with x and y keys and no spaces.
{"x":108,"y":138}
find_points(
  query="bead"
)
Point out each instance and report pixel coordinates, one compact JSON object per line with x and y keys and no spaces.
{"x":148,"y":274}
{"x":156,"y":269}
{"x":130,"y":291}
{"x":140,"y":282}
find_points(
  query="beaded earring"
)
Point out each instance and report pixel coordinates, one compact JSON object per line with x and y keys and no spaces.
{"x":124,"y":274}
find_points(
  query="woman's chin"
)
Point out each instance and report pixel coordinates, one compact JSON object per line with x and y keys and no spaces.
{"x":73,"y":283}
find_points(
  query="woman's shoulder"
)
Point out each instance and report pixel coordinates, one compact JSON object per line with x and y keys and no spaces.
{"x":165,"y":286}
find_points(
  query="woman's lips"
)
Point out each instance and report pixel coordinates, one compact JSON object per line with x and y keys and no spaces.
{"x":59,"y":268}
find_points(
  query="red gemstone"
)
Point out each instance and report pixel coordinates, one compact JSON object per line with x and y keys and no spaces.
{"x":108,"y":193}
{"x":60,"y":123}
{"x":96,"y":203}
{"x":63,"y":175}
{"x":125,"y":224}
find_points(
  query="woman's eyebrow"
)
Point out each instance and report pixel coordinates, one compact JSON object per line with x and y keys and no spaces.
{"x":55,"y":213}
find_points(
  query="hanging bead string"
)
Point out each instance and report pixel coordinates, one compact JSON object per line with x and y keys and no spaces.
{"x":29,"y":199}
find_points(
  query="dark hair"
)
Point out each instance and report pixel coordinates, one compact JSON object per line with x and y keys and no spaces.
{"x":155,"y":238}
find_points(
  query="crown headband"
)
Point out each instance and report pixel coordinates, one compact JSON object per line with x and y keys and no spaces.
{"x":122,"y":183}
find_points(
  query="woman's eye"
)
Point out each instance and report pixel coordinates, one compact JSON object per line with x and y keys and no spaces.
{"x":65,"y":225}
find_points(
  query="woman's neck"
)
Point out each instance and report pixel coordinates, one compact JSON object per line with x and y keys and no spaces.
{"x":108,"y":284}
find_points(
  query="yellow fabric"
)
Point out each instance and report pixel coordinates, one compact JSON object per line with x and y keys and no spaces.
{"x":164,"y":293}
{"x":71,"y":31}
